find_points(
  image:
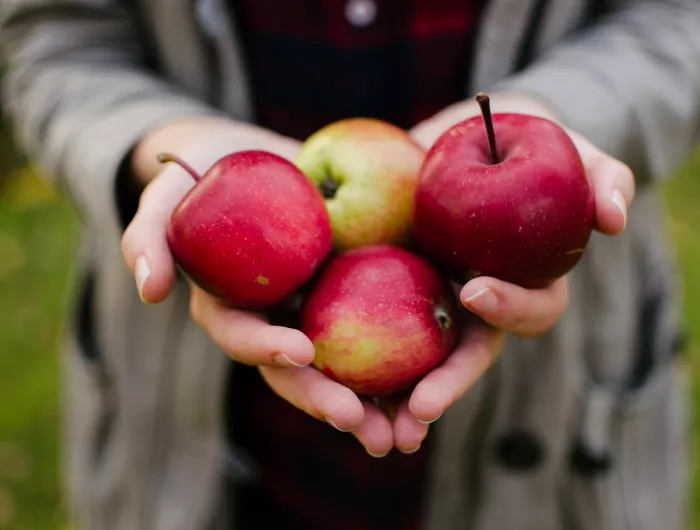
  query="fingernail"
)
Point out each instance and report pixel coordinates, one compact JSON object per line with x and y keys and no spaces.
{"x":376,"y":455}
{"x":283,"y":360}
{"x":410,"y":452}
{"x":141,"y":272}
{"x":619,"y":201}
{"x":483,"y":301}
{"x":430,"y":421}
{"x":332,"y":424}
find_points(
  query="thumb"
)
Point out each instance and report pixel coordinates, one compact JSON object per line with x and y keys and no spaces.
{"x":613,"y":185}
{"x":523,"y":312}
{"x":144,"y":244}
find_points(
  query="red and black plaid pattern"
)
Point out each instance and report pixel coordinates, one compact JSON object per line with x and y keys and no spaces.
{"x":311,"y":476}
{"x":309,"y":67}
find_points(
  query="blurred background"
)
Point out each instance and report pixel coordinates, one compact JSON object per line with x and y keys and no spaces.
{"x":38,"y":242}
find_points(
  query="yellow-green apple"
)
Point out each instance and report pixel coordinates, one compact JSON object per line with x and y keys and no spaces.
{"x":367,"y":170}
{"x":252,"y":230}
{"x":379,"y":317}
{"x":504,"y":196}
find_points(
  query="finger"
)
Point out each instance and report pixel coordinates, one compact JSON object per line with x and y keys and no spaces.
{"x":144,"y":243}
{"x":309,"y":390}
{"x":409,"y":433}
{"x":247,"y":337}
{"x":428,"y":131}
{"x":375,"y":432}
{"x":613,"y":185}
{"x":451,"y":380}
{"x":524,"y":312}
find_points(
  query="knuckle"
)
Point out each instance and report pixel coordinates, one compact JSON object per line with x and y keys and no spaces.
{"x":630,"y":184}
{"x":520,"y":325}
{"x":624,"y":169}
{"x":128,"y":240}
{"x":133,"y":240}
{"x":531,"y":326}
{"x":311,"y":404}
{"x":621,"y":176}
{"x":237,"y":351}
{"x":126,"y":244}
{"x":346,"y":394}
{"x":148,"y":196}
{"x":625,"y":172}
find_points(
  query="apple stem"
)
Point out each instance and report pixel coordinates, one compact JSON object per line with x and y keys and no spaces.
{"x":443,"y":318}
{"x":164,"y":158}
{"x":485,"y":106}
{"x":329,"y":188}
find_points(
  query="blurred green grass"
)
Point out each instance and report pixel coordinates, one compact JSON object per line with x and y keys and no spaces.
{"x":682,"y":193}
{"x":38,"y":241}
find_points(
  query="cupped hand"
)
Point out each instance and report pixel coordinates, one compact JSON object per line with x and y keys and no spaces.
{"x":282,"y":352}
{"x":497,"y":307}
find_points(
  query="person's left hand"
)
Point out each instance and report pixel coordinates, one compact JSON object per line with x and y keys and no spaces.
{"x":494,"y":308}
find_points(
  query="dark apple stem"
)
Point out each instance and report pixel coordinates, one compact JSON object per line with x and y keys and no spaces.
{"x":443,"y":318}
{"x":164,"y":158}
{"x":329,"y":187}
{"x":484,"y":104}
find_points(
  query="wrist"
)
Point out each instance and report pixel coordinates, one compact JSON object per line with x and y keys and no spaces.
{"x":201,"y":141}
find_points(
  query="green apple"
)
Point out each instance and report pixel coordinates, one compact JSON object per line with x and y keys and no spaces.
{"x":367,"y":170}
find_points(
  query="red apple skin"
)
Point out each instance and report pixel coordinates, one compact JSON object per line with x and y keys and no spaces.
{"x":380,"y":317}
{"x":252,"y":231}
{"x":525,"y":220}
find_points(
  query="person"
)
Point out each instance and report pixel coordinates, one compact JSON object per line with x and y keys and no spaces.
{"x":561,"y":407}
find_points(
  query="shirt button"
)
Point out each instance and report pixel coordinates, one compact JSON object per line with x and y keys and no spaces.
{"x":360,"y":13}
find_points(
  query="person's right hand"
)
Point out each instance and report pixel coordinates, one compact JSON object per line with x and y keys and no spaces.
{"x":246,"y":337}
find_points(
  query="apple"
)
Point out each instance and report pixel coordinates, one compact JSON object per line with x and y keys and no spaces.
{"x":520,"y":209}
{"x":251,"y":231}
{"x":379,"y":317}
{"x":367,"y":170}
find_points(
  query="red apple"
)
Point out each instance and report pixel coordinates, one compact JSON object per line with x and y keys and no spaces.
{"x":379,"y":317}
{"x":367,"y":170}
{"x":520,"y":209}
{"x":252,"y":230}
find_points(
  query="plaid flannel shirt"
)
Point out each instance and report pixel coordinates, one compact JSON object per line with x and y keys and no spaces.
{"x":310,"y":66}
